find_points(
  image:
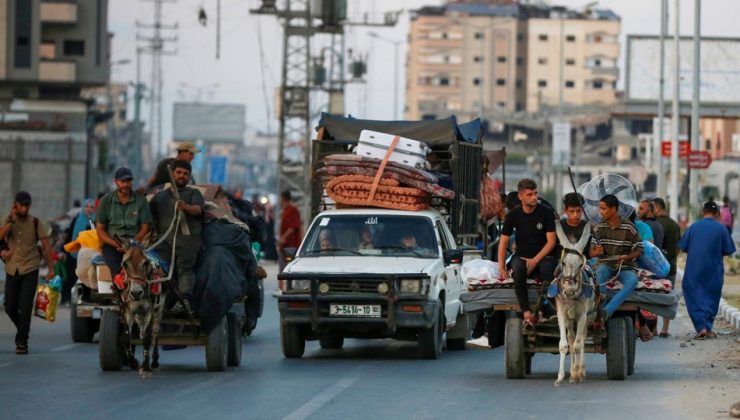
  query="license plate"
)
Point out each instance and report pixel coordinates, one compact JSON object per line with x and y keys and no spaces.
{"x":371,"y":311}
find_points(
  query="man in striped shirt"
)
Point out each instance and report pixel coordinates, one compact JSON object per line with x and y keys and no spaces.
{"x":618,"y":244}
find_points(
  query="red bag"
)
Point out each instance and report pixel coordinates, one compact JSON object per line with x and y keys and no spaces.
{"x":490,"y":199}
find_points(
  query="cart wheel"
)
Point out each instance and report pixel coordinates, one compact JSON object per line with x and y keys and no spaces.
{"x":456,"y":341}
{"x":514,"y":357}
{"x":631,"y":341}
{"x":110,"y":349}
{"x":292,"y":340}
{"x":235,"y":340}
{"x":331,"y":342}
{"x":430,"y":339}
{"x":81,"y":329}
{"x":617,"y":353}
{"x":217,"y":347}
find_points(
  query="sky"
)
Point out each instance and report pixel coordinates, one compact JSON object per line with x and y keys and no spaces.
{"x":248,"y":70}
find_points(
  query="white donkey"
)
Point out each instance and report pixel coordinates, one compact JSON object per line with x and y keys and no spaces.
{"x":574,"y":301}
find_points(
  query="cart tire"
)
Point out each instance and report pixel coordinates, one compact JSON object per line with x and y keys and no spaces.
{"x":217,"y":347}
{"x":81,"y":329}
{"x":334,"y":342}
{"x":292,"y":340}
{"x":110,"y":348}
{"x":631,"y":343}
{"x":235,"y":340}
{"x":430,"y":339}
{"x":617,"y":352}
{"x":515,"y":357}
{"x":462,"y":323}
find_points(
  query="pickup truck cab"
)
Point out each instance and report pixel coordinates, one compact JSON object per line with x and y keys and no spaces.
{"x":374,"y":273}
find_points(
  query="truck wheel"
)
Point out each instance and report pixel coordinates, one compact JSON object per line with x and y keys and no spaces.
{"x":616,"y":349}
{"x":331,"y":342}
{"x":292,"y":340}
{"x":235,"y":340}
{"x":631,"y":341}
{"x":81,"y":329}
{"x":430,"y":339}
{"x":514,"y":356}
{"x":110,"y":348}
{"x":217,"y":347}
{"x":457,"y":337}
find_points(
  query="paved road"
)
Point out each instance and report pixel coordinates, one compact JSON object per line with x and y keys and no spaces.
{"x":368,"y":379}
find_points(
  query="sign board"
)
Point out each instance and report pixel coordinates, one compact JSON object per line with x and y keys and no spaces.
{"x":211,"y":123}
{"x":699,"y":159}
{"x":683,"y":148}
{"x":560,"y":144}
{"x":217,"y":169}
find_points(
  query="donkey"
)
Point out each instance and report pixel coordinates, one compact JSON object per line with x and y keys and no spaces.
{"x":142,"y":304}
{"x":574,"y":301}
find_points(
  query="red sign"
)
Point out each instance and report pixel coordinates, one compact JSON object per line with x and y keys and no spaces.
{"x":699,"y":159}
{"x":683,"y":148}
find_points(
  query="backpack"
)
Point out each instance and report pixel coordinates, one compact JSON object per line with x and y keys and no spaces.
{"x":725,"y":216}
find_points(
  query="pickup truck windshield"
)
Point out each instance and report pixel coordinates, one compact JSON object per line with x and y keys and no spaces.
{"x":371,"y":235}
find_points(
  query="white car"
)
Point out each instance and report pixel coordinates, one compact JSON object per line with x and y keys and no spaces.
{"x":374,"y":273}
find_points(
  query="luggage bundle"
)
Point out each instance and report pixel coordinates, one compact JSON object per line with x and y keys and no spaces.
{"x":385,"y":171}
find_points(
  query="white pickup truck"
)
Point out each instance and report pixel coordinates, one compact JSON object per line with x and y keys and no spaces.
{"x":374,"y":273}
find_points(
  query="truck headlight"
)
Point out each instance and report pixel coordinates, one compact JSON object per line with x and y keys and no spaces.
{"x":301,"y":285}
{"x":383,"y":288}
{"x":410,"y":286}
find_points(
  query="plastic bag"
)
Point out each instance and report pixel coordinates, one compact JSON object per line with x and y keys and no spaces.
{"x":479,"y":269}
{"x":47,"y":297}
{"x":652,"y":259}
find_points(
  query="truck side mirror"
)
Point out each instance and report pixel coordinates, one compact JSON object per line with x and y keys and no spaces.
{"x":289,"y":254}
{"x":453,"y":256}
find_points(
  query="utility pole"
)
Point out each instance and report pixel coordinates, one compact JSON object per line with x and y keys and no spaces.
{"x":675,"y":113}
{"x":695,"y":114}
{"x":135,"y":152}
{"x":661,"y":187}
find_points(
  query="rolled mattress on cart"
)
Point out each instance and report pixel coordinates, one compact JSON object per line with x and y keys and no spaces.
{"x":646,"y":297}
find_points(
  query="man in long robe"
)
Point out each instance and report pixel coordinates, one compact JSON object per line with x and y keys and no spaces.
{"x":705,"y":242}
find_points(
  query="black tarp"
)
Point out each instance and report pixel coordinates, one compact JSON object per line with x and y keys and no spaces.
{"x":432,"y":132}
{"x":225,"y":271}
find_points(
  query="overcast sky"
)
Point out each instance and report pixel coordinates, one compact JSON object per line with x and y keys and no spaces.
{"x":241,"y":76}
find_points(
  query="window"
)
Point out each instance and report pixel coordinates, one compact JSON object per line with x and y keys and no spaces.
{"x":597,"y":39}
{"x":500,"y":82}
{"x":476,"y":81}
{"x":501,"y":104}
{"x":570,"y":84}
{"x":478,"y":35}
{"x":570,"y":38}
{"x":23,"y":31}
{"x":444,"y":81}
{"x":570,"y":61}
{"x":519,"y":106}
{"x":520,"y":37}
{"x":597,"y":84}
{"x":708,"y":144}
{"x":518,"y":83}
{"x":477,"y":59}
{"x":442,"y":238}
{"x":597,"y":62}
{"x":72,"y":47}
{"x":122,"y":115}
{"x":501,"y":59}
{"x":444,"y":35}
{"x":542,"y":37}
{"x":542,"y":60}
{"x":542,"y":83}
{"x":519,"y":61}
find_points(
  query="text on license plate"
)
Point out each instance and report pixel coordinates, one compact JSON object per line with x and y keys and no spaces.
{"x":372,"y":311}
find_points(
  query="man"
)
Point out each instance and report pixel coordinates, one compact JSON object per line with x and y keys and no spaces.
{"x":617,"y":241}
{"x":671,"y":235}
{"x":185,"y":152}
{"x":646,"y":213}
{"x":22,"y":232}
{"x":705,"y":242}
{"x":727,"y":214}
{"x":290,"y":228}
{"x":121,"y":216}
{"x":187,"y":246}
{"x":535,"y":242}
{"x":326,"y":241}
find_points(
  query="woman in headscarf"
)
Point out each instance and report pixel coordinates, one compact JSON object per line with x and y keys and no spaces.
{"x":83,"y":221}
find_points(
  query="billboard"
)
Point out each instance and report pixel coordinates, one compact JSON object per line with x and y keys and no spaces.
{"x":720,"y":69}
{"x":221,"y":123}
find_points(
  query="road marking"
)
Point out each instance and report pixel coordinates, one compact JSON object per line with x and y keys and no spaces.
{"x":320,"y":400}
{"x":65,"y":347}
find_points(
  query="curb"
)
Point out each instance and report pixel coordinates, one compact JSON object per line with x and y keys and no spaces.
{"x":730,"y":313}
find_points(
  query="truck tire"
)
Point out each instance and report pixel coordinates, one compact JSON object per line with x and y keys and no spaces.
{"x":616,"y":349}
{"x":460,"y":333}
{"x":334,"y":342}
{"x":631,"y":344}
{"x":514,"y":356}
{"x":430,"y":339}
{"x":81,"y":329}
{"x":110,"y":348}
{"x":292,"y":340}
{"x":217,"y":347}
{"x":235,"y":340}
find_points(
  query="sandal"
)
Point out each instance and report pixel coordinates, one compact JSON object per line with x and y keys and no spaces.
{"x":645,"y":334}
{"x":711,"y":334}
{"x":702,"y":335}
{"x":21,"y":349}
{"x":664,"y":334}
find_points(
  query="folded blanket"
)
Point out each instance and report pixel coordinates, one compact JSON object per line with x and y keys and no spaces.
{"x":355,"y":190}
{"x":434,"y":189}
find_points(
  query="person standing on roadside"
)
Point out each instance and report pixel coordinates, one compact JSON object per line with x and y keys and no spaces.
{"x":671,"y":235}
{"x":290,"y":228}
{"x":705,"y":242}
{"x":22,"y":232}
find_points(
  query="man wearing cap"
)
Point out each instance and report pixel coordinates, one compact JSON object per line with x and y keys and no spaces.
{"x":122,"y":215}
{"x":22,"y":232}
{"x":185,"y":151}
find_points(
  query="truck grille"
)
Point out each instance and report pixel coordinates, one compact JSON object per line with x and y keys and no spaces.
{"x":352,"y":287}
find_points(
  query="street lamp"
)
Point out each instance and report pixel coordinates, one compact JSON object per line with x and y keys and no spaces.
{"x":396,"y":44}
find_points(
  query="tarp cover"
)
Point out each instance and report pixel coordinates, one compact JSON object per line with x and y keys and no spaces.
{"x":225,"y":271}
{"x":432,"y":132}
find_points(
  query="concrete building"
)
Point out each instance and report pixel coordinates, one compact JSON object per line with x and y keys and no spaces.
{"x":720,"y":137}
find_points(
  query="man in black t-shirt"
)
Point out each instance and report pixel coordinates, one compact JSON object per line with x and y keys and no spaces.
{"x":535,"y":242}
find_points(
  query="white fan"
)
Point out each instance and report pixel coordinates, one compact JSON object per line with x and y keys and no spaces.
{"x":602,"y":185}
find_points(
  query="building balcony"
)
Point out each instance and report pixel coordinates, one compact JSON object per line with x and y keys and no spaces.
{"x":64,"y":13}
{"x":57,"y":71}
{"x":605,"y":71}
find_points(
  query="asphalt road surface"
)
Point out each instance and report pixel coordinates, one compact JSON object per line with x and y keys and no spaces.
{"x":366,"y":380}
